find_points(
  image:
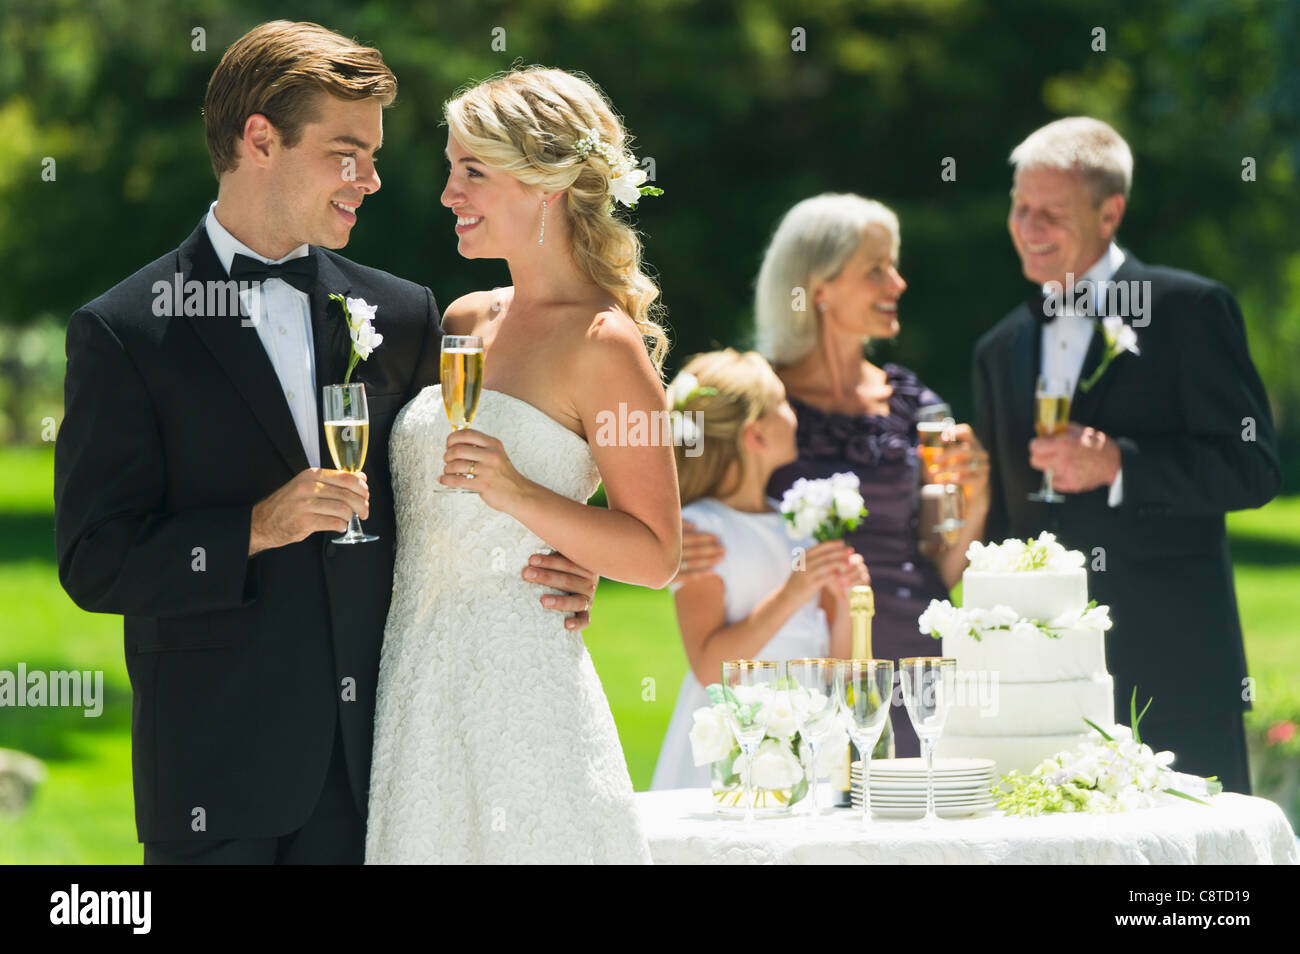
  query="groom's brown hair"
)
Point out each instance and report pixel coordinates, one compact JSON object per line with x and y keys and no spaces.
{"x":279,"y":69}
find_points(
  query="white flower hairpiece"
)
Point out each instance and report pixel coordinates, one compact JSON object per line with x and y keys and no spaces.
{"x":625,"y":183}
{"x":683,"y":389}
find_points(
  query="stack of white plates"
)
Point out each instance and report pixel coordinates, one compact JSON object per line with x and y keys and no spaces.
{"x":961,"y":787}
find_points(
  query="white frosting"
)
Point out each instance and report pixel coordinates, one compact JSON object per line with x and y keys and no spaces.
{"x":1038,"y":594}
{"x":1032,"y":656}
{"x":1023,"y":695}
{"x":987,"y":707}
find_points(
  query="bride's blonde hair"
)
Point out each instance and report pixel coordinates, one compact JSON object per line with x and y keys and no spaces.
{"x":525,"y":122}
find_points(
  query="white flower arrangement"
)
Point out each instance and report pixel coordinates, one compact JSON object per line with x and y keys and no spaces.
{"x":778,"y":762}
{"x":1018,"y":556}
{"x":625,"y":182}
{"x":360,"y":316}
{"x":1115,"y":773}
{"x":1119,"y":338}
{"x":824,"y":509}
{"x":942,"y":620}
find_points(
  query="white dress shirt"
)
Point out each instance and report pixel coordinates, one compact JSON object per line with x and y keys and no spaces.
{"x":1066,"y":339}
{"x":282,"y":316}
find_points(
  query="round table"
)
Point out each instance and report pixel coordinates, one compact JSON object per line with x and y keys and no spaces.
{"x":1232,"y":829}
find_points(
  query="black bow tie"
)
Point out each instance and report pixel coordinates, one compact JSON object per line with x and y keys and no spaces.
{"x":1038,"y":308}
{"x":298,"y":272}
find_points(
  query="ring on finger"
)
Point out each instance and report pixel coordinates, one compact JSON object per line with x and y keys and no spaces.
{"x":472,"y":465}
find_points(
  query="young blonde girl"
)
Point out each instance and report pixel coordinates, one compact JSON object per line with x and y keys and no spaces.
{"x":773,"y":596}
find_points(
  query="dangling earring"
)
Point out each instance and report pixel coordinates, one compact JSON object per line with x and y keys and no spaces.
{"x":543,"y":235}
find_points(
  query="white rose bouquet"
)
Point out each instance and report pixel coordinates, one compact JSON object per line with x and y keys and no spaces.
{"x":823,"y":509}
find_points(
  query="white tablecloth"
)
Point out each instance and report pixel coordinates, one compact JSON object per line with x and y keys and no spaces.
{"x":1233,"y":829}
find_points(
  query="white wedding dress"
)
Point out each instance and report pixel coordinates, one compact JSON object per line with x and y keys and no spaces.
{"x":494,"y":741}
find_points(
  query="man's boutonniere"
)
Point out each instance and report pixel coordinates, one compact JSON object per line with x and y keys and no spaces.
{"x":1119,"y":338}
{"x":359,"y":315}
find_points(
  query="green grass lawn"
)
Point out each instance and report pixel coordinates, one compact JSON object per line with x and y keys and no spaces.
{"x":83,"y":813}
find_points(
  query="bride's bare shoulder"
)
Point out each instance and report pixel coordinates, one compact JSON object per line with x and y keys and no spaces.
{"x":608,"y":325}
{"x":612,"y":344}
{"x":468,"y":313}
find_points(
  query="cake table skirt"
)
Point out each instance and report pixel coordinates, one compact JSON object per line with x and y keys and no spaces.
{"x":1233,"y":829}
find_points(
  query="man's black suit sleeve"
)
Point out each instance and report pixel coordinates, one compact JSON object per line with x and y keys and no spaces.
{"x":119,"y":549}
{"x":997,"y":524}
{"x":429,"y":358}
{"x":1214,"y":466}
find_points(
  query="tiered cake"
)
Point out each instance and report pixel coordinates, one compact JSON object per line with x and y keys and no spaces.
{"x":1031,"y":655}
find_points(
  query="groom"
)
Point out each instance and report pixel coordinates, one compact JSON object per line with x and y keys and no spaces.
{"x":192,"y":488}
{"x":1159,"y":448}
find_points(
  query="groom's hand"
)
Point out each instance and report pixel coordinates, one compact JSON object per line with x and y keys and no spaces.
{"x":557,"y":572}
{"x":1080,"y":460}
{"x":316,"y":499}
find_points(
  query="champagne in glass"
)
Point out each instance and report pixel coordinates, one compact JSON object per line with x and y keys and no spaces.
{"x":1051,"y":418}
{"x":932,"y":422}
{"x":348,"y":442}
{"x":347,"y":434}
{"x":930,"y":445}
{"x":461,"y":376}
{"x":929,"y":685}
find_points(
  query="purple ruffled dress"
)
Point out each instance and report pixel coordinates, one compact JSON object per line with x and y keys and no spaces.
{"x":882,"y":451}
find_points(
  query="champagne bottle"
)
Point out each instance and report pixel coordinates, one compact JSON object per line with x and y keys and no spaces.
{"x":862,"y":608}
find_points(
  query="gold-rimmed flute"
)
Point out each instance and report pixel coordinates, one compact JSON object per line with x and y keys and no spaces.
{"x":929,"y":686}
{"x":816,"y":720}
{"x":1051,"y":419}
{"x":864,"y":689}
{"x":347,"y":435}
{"x":747,"y":685}
{"x":461,"y":377}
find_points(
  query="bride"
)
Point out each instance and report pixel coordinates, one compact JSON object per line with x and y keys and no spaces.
{"x":494,"y":741}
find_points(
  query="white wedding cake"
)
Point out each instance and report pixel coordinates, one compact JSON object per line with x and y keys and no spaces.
{"x":1030,"y":652}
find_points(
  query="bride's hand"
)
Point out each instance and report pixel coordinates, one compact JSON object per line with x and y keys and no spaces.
{"x":478,"y":462}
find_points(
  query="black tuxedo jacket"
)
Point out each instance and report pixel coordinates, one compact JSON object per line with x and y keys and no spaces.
{"x":1196,"y":440}
{"x":173,"y":428}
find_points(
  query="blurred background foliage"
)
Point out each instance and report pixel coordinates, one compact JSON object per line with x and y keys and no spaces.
{"x":740,"y":126}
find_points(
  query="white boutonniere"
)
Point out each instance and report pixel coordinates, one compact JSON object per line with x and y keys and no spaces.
{"x":1119,"y":338}
{"x":360,"y":315}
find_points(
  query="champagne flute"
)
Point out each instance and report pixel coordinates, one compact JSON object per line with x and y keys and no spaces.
{"x":1051,"y":417}
{"x":864,"y":689}
{"x":929,"y":684}
{"x":818,"y":714}
{"x":347,"y":432}
{"x":933,"y":421}
{"x":749,"y":686}
{"x":461,"y":375}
